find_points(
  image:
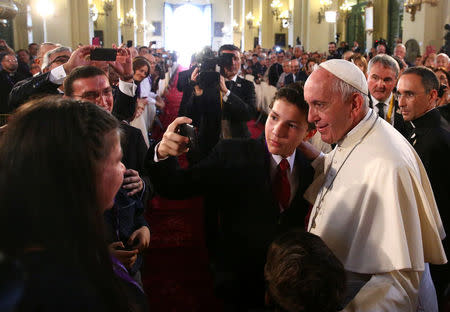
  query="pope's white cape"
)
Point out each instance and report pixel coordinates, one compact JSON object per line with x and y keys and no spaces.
{"x":379,"y":214}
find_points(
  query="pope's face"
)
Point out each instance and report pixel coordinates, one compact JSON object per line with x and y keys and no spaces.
{"x":331,"y":115}
{"x":286,"y":128}
{"x":381,"y":81}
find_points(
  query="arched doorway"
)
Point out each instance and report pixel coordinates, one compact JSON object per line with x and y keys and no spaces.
{"x":187,"y":28}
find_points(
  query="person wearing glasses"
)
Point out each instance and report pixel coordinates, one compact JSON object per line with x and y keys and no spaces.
{"x":429,"y":134}
{"x":9,"y":76}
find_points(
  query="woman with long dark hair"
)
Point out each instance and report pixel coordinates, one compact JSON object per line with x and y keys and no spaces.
{"x":60,"y":164}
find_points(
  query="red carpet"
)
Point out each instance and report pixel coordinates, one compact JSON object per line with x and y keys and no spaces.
{"x":175,"y":273}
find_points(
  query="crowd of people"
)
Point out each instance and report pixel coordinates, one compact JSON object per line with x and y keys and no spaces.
{"x":340,"y":204}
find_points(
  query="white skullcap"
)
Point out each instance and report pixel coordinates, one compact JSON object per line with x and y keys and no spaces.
{"x":347,"y":72}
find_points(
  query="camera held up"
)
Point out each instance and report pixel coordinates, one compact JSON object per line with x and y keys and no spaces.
{"x":209,"y":74}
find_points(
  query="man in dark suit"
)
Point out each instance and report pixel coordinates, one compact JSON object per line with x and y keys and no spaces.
{"x":276,"y":69}
{"x":253,"y":190}
{"x":9,"y":76}
{"x":222,"y":111}
{"x":183,"y":85}
{"x":383,"y":73}
{"x":429,"y":133}
{"x":296,"y":75}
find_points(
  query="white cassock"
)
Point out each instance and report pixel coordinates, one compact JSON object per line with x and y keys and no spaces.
{"x":375,"y":209}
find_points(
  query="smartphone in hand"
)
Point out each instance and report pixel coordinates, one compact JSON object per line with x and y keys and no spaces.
{"x":103,"y":54}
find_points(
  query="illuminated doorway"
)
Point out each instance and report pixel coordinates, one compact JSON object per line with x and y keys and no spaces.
{"x":187,"y":29}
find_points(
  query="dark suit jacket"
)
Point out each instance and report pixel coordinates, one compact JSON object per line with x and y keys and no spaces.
{"x":184,"y":86}
{"x":299,"y":76}
{"x":243,"y":216}
{"x":399,"y":123}
{"x":30,"y":88}
{"x":274,"y":73}
{"x":288,"y":79}
{"x":7,"y":82}
{"x":445,"y":111}
{"x":433,"y":146}
{"x":206,"y":113}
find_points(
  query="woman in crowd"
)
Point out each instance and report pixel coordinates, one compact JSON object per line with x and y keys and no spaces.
{"x":360,"y":61}
{"x":444,"y":78}
{"x":61,"y":167}
{"x":443,"y":101}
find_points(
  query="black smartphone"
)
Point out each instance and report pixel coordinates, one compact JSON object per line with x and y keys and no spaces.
{"x":103,"y":54}
{"x":129,"y":43}
{"x":188,"y":131}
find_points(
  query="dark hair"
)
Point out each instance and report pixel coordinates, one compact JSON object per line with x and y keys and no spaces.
{"x":142,"y":48}
{"x":230,"y":47}
{"x":399,"y":62}
{"x":32,"y":44}
{"x":3,"y":55}
{"x":332,"y":42}
{"x":442,"y":69}
{"x":428,"y":77}
{"x":49,"y":156}
{"x":293,"y":93}
{"x":23,"y":50}
{"x":302,"y":274}
{"x":81,"y":73}
{"x":139,"y":62}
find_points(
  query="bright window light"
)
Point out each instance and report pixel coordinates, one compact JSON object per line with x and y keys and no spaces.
{"x":45,"y":8}
{"x":187,"y":30}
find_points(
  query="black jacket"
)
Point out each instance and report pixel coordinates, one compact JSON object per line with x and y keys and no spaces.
{"x":207,"y":114}
{"x":30,"y":88}
{"x":183,"y":85}
{"x":242,"y":215}
{"x":399,"y":123}
{"x":7,"y":82}
{"x":274,"y":73}
{"x":432,"y":143}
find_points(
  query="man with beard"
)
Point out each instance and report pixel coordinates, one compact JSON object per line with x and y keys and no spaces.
{"x":332,"y":50}
{"x":8,"y":78}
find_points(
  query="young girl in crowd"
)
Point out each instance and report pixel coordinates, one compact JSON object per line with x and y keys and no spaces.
{"x":60,"y":164}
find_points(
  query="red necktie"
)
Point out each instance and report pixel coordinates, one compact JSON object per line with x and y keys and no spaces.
{"x":281,"y":187}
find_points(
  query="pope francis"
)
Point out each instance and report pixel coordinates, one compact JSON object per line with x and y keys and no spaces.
{"x":373,"y":203}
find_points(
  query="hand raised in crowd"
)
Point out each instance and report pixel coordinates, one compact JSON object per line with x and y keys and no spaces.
{"x":222,"y":84}
{"x":141,"y":103}
{"x":197,"y":90}
{"x":132,"y":182}
{"x":78,"y":58}
{"x":160,"y":102}
{"x":123,"y":64}
{"x":126,"y":257}
{"x":140,"y":238}
{"x":173,"y":144}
